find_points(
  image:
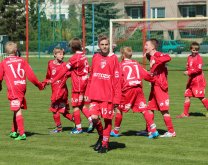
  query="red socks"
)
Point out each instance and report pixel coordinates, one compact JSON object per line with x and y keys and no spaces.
{"x":86,"y":112}
{"x":20,"y":124}
{"x":117,"y":123}
{"x":186,"y":107}
{"x":14,"y":124}
{"x":56,"y":118}
{"x":106,"y":132}
{"x":68,"y":116}
{"x":168,"y":123}
{"x":99,"y":127}
{"x":205,"y":103}
{"x":149,"y":120}
{"x":77,"y":120}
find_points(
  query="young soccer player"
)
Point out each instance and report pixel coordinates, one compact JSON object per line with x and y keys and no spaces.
{"x":79,"y":67}
{"x":104,"y":91}
{"x":196,"y":83}
{"x":14,"y":70}
{"x":59,"y":97}
{"x":159,"y":98}
{"x":133,"y":98}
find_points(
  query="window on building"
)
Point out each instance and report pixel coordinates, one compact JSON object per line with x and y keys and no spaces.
{"x":62,"y":16}
{"x":53,"y":16}
{"x":158,"y":12}
{"x":134,"y":12}
{"x":193,"y":11}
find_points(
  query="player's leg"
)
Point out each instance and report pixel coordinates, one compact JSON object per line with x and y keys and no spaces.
{"x":87,"y":114}
{"x":77,"y":121}
{"x":13,"y":133}
{"x":117,"y":123}
{"x":186,"y":107}
{"x":57,"y":120}
{"x":169,"y":125}
{"x":20,"y":125}
{"x":152,"y":130}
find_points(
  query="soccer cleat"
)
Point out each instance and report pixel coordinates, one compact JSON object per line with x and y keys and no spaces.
{"x":56,"y":130}
{"x":153,"y":135}
{"x":103,"y":149}
{"x":168,"y":134}
{"x":75,"y":131}
{"x":98,"y":144}
{"x":182,"y":116}
{"x":113,"y":134}
{"x":142,"y":133}
{"x":90,"y":128}
{"x":21,"y":137}
{"x":13,"y":134}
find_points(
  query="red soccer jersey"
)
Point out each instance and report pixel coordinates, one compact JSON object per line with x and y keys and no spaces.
{"x":159,"y":69}
{"x":79,"y":68}
{"x":59,"y":88}
{"x":104,"y":84}
{"x":15,"y":70}
{"x":132,"y":74}
{"x":194,"y":68}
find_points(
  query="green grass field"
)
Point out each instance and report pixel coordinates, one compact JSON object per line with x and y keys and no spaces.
{"x":189,"y":147}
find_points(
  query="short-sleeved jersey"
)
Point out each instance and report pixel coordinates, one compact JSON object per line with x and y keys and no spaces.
{"x":195,"y":73}
{"x":104,"y":83}
{"x":159,"y":69}
{"x":79,"y":68}
{"x":59,"y":87}
{"x":132,"y":74}
{"x":15,"y":70}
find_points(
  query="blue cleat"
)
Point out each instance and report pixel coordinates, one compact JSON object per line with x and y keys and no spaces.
{"x":153,"y":135}
{"x":75,"y":131}
{"x":90,"y":128}
{"x":113,"y":134}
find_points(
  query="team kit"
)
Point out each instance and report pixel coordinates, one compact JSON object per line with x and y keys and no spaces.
{"x":103,"y":91}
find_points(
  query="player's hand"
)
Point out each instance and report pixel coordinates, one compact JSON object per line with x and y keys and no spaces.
{"x":185,"y":73}
{"x":41,"y":86}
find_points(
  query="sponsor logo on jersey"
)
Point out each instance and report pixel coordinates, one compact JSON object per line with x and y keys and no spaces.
{"x":53,"y":71}
{"x":116,"y":74}
{"x":102,"y":76}
{"x":142,"y":105}
{"x":135,"y":82}
{"x":15,"y":103}
{"x":18,"y":82}
{"x":103,"y":63}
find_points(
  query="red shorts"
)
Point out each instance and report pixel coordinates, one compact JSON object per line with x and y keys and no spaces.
{"x":60,"y":106}
{"x":103,"y":109}
{"x":195,"y":92}
{"x":133,"y":98}
{"x":17,"y":104}
{"x":158,"y":99}
{"x":78,"y":99}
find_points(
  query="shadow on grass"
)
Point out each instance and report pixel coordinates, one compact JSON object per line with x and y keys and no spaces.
{"x":135,"y":133}
{"x":196,"y":114}
{"x":116,"y":145}
{"x":33,"y":133}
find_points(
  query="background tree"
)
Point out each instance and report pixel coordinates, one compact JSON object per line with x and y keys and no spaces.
{"x":12,"y":19}
{"x":102,"y":14}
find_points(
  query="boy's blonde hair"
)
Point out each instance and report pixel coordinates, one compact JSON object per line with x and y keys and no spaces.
{"x":57,"y":50}
{"x":10,"y":47}
{"x":126,"y":52}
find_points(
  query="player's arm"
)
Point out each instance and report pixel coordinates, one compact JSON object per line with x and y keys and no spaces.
{"x":159,"y":60}
{"x":145,"y":74}
{"x":116,"y":82}
{"x":32,"y":77}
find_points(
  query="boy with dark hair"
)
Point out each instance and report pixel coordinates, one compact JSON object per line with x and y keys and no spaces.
{"x":159,"y":98}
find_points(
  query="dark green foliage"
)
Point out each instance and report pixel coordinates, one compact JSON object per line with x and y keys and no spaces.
{"x":102,"y":15}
